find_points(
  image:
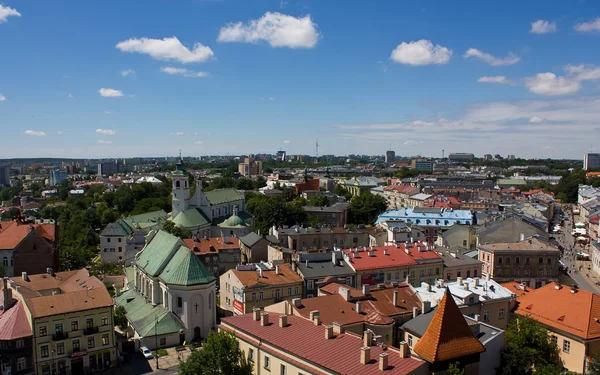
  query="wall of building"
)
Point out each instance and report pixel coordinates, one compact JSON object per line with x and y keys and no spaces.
{"x":34,"y":255}
{"x":113,"y":248}
{"x":498,"y":312}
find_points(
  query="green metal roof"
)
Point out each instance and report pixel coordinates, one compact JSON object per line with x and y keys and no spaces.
{"x":223,"y":196}
{"x":144,"y":317}
{"x":508,"y":181}
{"x":186,"y":269}
{"x":234,"y":221}
{"x":157,"y":252}
{"x":149,"y":217}
{"x":190,"y":218}
{"x":242,"y":214}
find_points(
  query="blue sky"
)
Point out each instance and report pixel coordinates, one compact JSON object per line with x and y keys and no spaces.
{"x":131,"y":78}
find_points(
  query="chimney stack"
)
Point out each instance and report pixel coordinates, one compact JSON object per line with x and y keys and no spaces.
{"x":521,"y":236}
{"x":294,"y":266}
{"x":260,"y":273}
{"x":264,"y":319}
{"x":50,"y":271}
{"x":425,"y":307}
{"x":404,"y":352}
{"x":338,"y":329}
{"x":368,"y":338}
{"x":328,"y":332}
{"x":345,"y":293}
{"x":6,"y":295}
{"x":358,"y":307}
{"x":365,"y":355}
{"x":366,"y":289}
{"x":476,"y":317}
{"x":415,"y":311}
{"x":334,"y":258}
{"x":395,"y":298}
{"x":24,"y":276}
{"x":256,"y":314}
{"x":283,"y":320}
{"x":383,"y":361}
{"x":277,"y":269}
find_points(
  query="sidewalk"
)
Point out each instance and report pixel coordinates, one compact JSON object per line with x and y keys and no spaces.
{"x":588,"y":275}
{"x":170,"y":361}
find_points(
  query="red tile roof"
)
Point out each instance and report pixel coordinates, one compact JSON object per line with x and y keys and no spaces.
{"x":211,"y":245}
{"x":397,"y":256}
{"x":517,"y":288}
{"x":401,"y":188}
{"x":13,"y":234}
{"x":252,"y":279}
{"x":448,"y":335}
{"x":576,"y":313}
{"x":14,"y":323}
{"x":306,"y":343}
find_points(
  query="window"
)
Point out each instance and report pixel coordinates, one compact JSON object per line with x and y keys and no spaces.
{"x":310,"y":284}
{"x":108,"y":239}
{"x":548,"y":272}
{"x":541,"y":260}
{"x":410,"y":341}
{"x":75,"y":345}
{"x":549,"y":260}
{"x":253,"y":296}
{"x":527,"y":260}
{"x":468,"y":273}
{"x":554,"y":340}
{"x":566,"y":346}
{"x":74,"y":325}
{"x":355,"y":240}
{"x":163,"y":341}
{"x":282,"y":369}
{"x":474,"y":273}
{"x":289,"y":291}
{"x":120,"y":239}
{"x":60,"y":348}
{"x":261,"y":296}
{"x":44,"y":351}
{"x":516,"y":271}
{"x":526,"y":272}
{"x":458,"y":274}
{"x":179,"y":302}
{"x":501,"y":314}
{"x":296,"y":290}
{"x":267,"y":364}
{"x":43,"y":331}
{"x":251,"y":355}
{"x":507,"y":260}
{"x":518,"y":260}
{"x":499,"y":260}
{"x":422,"y":273}
{"x":464,"y":243}
{"x":486,"y":316}
{"x":20,"y":343}
{"x":5,"y":261}
{"x":104,"y":321}
{"x":437,"y":270}
{"x":91,"y":343}
{"x":58,"y":328}
{"x":105,"y":339}
{"x":471,"y":300}
{"x":89,"y":323}
{"x":21,"y":363}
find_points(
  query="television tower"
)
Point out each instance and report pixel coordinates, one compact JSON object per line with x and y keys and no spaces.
{"x":317,"y":148}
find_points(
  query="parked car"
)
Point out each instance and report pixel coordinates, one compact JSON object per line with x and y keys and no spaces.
{"x":146,"y":352}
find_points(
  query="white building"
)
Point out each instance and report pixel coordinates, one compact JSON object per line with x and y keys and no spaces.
{"x":171,"y":295}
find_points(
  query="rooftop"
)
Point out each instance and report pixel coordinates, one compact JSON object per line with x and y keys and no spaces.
{"x":428,"y":216}
{"x":324,"y":268}
{"x":220,"y":196}
{"x":486,"y":290}
{"x":303,"y":342}
{"x":529,"y":244}
{"x":14,"y":323}
{"x":378,"y":257}
{"x":211,"y":245}
{"x":252,"y":279}
{"x":517,"y":288}
{"x":12,"y":235}
{"x":455,"y":259}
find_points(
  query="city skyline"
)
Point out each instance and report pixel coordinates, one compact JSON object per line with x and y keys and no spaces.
{"x":108,"y":80}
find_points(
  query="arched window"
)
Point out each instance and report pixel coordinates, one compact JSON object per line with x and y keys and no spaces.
{"x":179,"y":302}
{"x":177,"y":184}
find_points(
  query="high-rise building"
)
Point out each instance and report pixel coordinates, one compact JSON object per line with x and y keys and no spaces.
{"x":250,"y":167}
{"x":591,"y":161}
{"x":487,"y":157}
{"x":423,"y":165}
{"x":510,"y":157}
{"x":108,"y":168}
{"x":281,"y":155}
{"x":57,"y":176}
{"x":5,"y":176}
{"x":461,"y":156}
{"x":390,"y":156}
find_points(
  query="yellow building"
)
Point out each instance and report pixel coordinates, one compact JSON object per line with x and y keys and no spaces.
{"x":71,"y":318}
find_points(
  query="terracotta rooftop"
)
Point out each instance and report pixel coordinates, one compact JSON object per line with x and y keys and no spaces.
{"x":76,"y":291}
{"x":517,"y":288}
{"x":448,"y":335}
{"x":400,"y":188}
{"x":305,"y":345}
{"x":252,"y":279}
{"x":211,"y":245}
{"x":530,"y":244}
{"x":576,"y":313}
{"x":403,"y":255}
{"x":14,"y":323}
{"x":11,"y":235}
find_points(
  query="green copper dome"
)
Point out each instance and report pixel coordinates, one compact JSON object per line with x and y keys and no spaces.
{"x":234,"y":221}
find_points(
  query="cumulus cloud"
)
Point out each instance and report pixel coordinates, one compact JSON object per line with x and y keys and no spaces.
{"x":6,"y":12}
{"x":494,"y":79}
{"x":166,"y":49}
{"x":422,"y":52}
{"x":279,"y":30}
{"x":104,"y":142}
{"x":287,"y":142}
{"x":510,"y":59}
{"x":583,"y":72}
{"x":543,"y":27}
{"x":128,"y":72}
{"x":106,"y":131}
{"x":183,"y":72}
{"x":586,"y":27}
{"x":2,"y":98}
{"x":180,"y":133}
{"x":198,"y":142}
{"x":110,"y":93}
{"x":536,"y":119}
{"x":35,"y":132}
{"x":272,"y":98}
{"x":412,"y":143}
{"x":551,"y":84}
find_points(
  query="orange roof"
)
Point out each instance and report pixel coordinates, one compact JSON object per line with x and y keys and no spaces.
{"x":252,"y":279}
{"x":592,"y":174}
{"x":211,"y":245}
{"x":400,"y":188}
{"x":517,"y":288}
{"x":403,"y":255}
{"x":448,"y":335}
{"x":12,"y":235}
{"x":576,"y":313}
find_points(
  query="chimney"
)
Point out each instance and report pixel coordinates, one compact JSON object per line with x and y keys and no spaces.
{"x":365,"y":355}
{"x":415,"y":311}
{"x":426,"y":306}
{"x":317,"y":320}
{"x":371,"y":253}
{"x":368,"y":338}
{"x":24,"y":276}
{"x":366,"y":289}
{"x":383,"y":361}
{"x":334,"y":258}
{"x":385,"y":252}
{"x":297,"y":302}
{"x":345,"y":293}
{"x":117,"y":290}
{"x":328,"y":332}
{"x":404,"y":352}
{"x":50,"y":271}
{"x":260,"y":273}
{"x":256,"y":314}
{"x":358,"y":307}
{"x":557,"y":286}
{"x":277,"y":269}
{"x":283,"y":320}
{"x":476,"y":281}
{"x":459,"y":280}
{"x":6,"y":295}
{"x":294,"y":266}
{"x":476,"y":317}
{"x":395,"y":298}
{"x":338,"y":329}
{"x":521,"y":236}
{"x":264,"y":319}
{"x":307,"y":263}
{"x":475,"y":328}
{"x":313,"y":314}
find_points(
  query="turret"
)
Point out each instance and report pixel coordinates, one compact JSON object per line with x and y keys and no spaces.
{"x":181,"y":189}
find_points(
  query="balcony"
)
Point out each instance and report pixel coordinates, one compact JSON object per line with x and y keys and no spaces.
{"x":90,"y":330}
{"x":58,"y":336}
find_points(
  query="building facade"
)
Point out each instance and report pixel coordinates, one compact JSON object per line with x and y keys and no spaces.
{"x":591,"y":161}
{"x":31,"y":248}
{"x":250,"y":168}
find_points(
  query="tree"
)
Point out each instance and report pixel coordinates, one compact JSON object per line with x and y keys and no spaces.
{"x":120,"y":317}
{"x":528,"y":347}
{"x":342,"y":192}
{"x":220,"y":354}
{"x":244,"y":184}
{"x":318,"y":200}
{"x":594,"y":364}
{"x":454,"y":369}
{"x":365,"y":208}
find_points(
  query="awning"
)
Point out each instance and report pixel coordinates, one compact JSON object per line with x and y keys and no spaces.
{"x":580,"y":224}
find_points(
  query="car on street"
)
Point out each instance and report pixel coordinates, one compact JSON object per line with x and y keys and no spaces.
{"x":146,"y":352}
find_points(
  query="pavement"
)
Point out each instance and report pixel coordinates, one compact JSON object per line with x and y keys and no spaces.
{"x":140,"y":365}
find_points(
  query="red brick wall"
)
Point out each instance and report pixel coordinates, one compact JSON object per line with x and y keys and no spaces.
{"x":34,"y":261}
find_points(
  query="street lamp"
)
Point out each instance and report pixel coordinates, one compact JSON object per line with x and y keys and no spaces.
{"x":156,"y":339}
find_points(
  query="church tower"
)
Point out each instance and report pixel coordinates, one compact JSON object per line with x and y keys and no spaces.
{"x":181,"y":190}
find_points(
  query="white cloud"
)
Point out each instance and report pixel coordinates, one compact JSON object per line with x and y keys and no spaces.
{"x":279,"y":30}
{"x":551,"y":84}
{"x":593,"y":25}
{"x":104,"y":142}
{"x":180,"y":133}
{"x":198,"y":142}
{"x":108,"y":112}
{"x":543,"y":27}
{"x":422,"y":52}
{"x":106,"y":131}
{"x":583,"y":72}
{"x":412,"y":143}
{"x":60,"y":132}
{"x":272,"y":98}
{"x":70,"y":96}
{"x":6,"y":12}
{"x":110,"y":93}
{"x":536,"y":120}
{"x":128,"y":72}
{"x":495,"y":79}
{"x":167,"y":49}
{"x":34,"y":132}
{"x":287,"y":142}
{"x":183,"y":72}
{"x":2,"y":98}
{"x":510,"y":59}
